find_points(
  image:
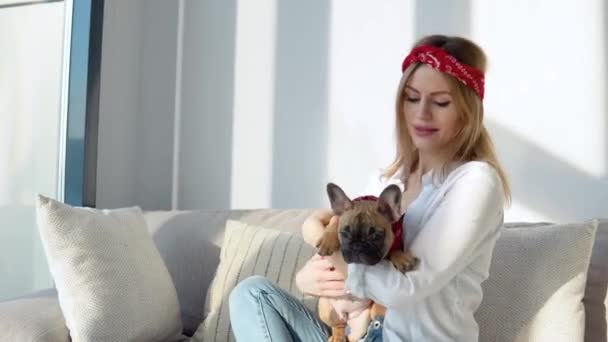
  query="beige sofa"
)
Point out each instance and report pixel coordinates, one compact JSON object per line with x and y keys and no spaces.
{"x":190,"y":243}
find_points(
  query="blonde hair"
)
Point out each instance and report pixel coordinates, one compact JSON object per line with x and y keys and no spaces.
{"x":472,"y":141}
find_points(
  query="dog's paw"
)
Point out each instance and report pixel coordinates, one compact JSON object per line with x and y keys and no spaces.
{"x":412,"y":263}
{"x":404,"y":261}
{"x":328,"y":244}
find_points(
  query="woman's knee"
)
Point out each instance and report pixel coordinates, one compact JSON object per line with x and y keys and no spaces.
{"x":248,"y":289}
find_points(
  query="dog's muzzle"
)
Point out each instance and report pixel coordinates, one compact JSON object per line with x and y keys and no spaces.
{"x":361,"y":247}
{"x":361,"y":253}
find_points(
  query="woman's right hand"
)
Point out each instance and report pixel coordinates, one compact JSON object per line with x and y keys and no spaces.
{"x":319,"y":277}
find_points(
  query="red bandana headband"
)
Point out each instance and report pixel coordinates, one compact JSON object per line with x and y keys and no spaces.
{"x":440,"y":60}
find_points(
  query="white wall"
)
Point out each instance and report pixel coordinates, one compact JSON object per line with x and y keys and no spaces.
{"x":280,"y":97}
{"x":547,"y":103}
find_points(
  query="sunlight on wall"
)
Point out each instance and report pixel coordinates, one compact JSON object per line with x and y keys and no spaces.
{"x":520,"y":212}
{"x":546,"y":103}
{"x":368,"y":42}
{"x":253,"y":122}
{"x":545,"y":98}
{"x":546,"y":77}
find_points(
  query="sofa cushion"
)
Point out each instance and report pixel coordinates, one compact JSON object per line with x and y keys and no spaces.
{"x":190,"y":243}
{"x":111,"y":281}
{"x":536,"y":284}
{"x":252,"y":250}
{"x":33,"y":319}
{"x":596,"y":296}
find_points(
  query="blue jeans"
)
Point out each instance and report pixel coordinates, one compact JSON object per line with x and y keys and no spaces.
{"x":260,"y":311}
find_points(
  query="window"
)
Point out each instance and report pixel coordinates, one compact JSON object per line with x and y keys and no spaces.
{"x":49,"y":70}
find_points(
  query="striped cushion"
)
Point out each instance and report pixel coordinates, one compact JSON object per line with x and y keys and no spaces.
{"x":252,"y":250}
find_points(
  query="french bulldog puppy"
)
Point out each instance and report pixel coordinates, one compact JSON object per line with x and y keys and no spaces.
{"x":364,"y":234}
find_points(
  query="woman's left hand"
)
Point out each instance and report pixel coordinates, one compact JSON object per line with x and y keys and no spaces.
{"x":341,"y":267}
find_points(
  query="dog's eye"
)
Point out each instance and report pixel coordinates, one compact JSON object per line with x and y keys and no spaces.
{"x":374,"y":232}
{"x":346,"y":232}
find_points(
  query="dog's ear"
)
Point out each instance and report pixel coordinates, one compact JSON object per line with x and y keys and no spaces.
{"x":338,"y":199}
{"x":389,"y":202}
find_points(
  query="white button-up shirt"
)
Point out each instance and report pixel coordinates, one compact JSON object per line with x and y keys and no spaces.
{"x":452,"y":227}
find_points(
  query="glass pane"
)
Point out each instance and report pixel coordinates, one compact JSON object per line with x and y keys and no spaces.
{"x":31,"y":41}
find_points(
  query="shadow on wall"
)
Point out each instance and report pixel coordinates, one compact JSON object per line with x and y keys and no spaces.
{"x":544,"y":183}
{"x":154,"y":142}
{"x":301,"y":103}
{"x":207,"y":105}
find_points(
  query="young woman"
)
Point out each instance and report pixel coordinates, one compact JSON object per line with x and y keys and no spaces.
{"x":453,"y":203}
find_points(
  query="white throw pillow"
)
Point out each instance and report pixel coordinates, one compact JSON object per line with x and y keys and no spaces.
{"x":536,"y":284}
{"x":252,"y":250}
{"x":111,"y":281}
